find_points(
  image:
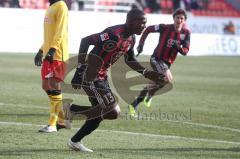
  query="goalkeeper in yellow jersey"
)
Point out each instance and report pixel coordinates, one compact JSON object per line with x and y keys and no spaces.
{"x":52,"y":56}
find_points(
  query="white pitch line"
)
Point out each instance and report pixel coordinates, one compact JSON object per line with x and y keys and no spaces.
{"x":148,"y":119}
{"x":171,"y":137}
{"x":190,"y":123}
{"x":23,"y":106}
{"x":195,"y":124}
{"x":18,"y":123}
{"x":136,"y":134}
{"x":207,"y":126}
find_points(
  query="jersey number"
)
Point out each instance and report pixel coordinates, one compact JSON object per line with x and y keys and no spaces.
{"x":109,"y":98}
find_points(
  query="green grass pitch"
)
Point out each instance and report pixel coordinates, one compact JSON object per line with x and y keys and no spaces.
{"x":205,"y":98}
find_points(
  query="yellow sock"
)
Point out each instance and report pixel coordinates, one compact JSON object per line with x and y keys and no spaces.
{"x":53,"y":115}
{"x":59,"y":106}
{"x":56,"y":103}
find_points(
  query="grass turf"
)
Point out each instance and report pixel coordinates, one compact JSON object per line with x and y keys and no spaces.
{"x":198,"y":118}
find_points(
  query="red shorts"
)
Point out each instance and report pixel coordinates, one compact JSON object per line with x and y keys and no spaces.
{"x":54,"y":70}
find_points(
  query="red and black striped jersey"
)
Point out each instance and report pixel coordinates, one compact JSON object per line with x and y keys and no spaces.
{"x":168,"y":37}
{"x":110,"y":45}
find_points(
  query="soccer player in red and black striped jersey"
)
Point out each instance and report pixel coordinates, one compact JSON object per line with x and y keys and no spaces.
{"x":91,"y":73}
{"x":174,"y":38}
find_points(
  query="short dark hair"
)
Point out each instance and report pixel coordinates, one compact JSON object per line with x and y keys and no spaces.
{"x":134,"y":13}
{"x":180,"y":11}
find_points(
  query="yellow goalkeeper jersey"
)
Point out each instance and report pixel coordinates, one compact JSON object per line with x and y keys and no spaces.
{"x":56,"y":31}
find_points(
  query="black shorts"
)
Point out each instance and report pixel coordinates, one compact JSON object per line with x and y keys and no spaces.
{"x":99,"y":93}
{"x":159,"y":65}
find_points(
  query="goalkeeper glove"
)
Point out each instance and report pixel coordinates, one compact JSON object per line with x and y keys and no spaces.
{"x":50,"y":54}
{"x":38,"y":58}
{"x":78,"y":77}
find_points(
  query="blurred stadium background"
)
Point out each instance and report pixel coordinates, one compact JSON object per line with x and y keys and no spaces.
{"x":199,"y":118}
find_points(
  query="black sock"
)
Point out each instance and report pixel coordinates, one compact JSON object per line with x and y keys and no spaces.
{"x":88,"y":127}
{"x":137,"y":101}
{"x":140,"y":98}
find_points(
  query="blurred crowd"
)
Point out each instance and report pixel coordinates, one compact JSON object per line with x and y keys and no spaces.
{"x":191,"y":4}
{"x":10,"y":3}
{"x":229,"y":28}
{"x":155,"y":6}
{"x":33,"y":4}
{"x":149,"y":6}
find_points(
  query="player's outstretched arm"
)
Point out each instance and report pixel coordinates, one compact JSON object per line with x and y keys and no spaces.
{"x":143,"y":38}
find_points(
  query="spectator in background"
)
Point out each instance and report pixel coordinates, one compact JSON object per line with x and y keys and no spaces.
{"x":139,"y":4}
{"x":34,"y":4}
{"x":15,"y":4}
{"x":80,"y":4}
{"x":205,"y":4}
{"x":5,"y":3}
{"x":77,"y":5}
{"x":176,"y":4}
{"x":196,"y":4}
{"x":187,"y":5}
{"x":153,"y":5}
{"x":9,"y":3}
{"x":27,"y":4}
{"x":229,"y":28}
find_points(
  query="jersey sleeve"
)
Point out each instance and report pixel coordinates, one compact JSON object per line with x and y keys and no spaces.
{"x":100,"y":38}
{"x":61,"y":26}
{"x":186,"y":43}
{"x":156,"y":28}
{"x":130,"y":54}
{"x":161,"y":27}
{"x":150,"y":29}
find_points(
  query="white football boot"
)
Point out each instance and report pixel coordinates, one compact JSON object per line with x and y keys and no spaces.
{"x":77,"y":146}
{"x":48,"y":129}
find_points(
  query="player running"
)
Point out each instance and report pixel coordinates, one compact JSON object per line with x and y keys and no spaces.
{"x":91,"y":74}
{"x":173,"y":38}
